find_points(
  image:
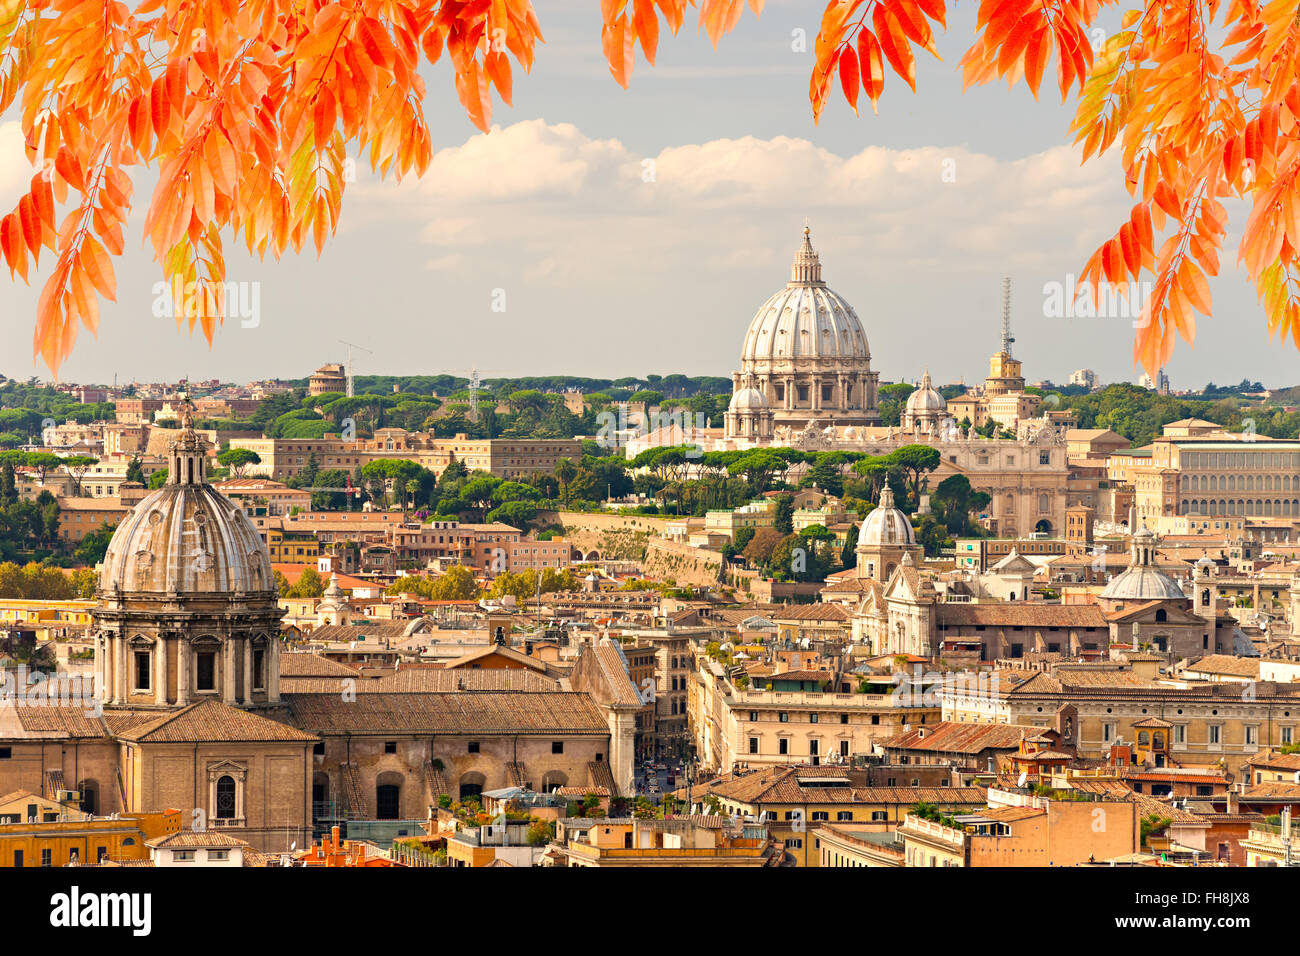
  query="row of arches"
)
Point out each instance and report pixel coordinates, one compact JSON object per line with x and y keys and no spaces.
{"x":1269,"y":482}
{"x":1275,"y":507}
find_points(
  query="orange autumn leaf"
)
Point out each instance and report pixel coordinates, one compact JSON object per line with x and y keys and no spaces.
{"x":247,"y":113}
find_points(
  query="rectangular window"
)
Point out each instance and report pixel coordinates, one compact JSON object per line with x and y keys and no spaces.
{"x":18,"y":857}
{"x":844,"y":816}
{"x":557,"y":746}
{"x":259,"y":669}
{"x":1216,"y":734}
{"x":783,"y":746}
{"x":753,"y":745}
{"x":47,"y":858}
{"x":844,"y":718}
{"x":472,"y":747}
{"x":812,"y":718}
{"x":1286,"y":735}
{"x":783,"y":717}
{"x":1180,"y":733}
{"x":390,"y":746}
{"x":142,"y":670}
{"x":844,"y":748}
{"x":6,"y":753}
{"x":1252,"y":736}
{"x":207,"y":671}
{"x":1107,"y":732}
{"x":753,"y":716}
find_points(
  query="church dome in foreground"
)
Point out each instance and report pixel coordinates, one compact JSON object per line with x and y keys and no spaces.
{"x":186,"y":537}
{"x":886,"y":525}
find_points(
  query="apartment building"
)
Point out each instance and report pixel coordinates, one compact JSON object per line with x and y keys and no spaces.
{"x":503,"y":457}
{"x":1022,"y":830}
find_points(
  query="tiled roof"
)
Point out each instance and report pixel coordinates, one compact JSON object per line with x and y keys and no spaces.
{"x":1275,"y":761}
{"x":373,"y":632}
{"x":64,"y":721}
{"x":616,"y":678}
{"x":211,"y":720}
{"x":312,"y":665}
{"x":956,"y":737}
{"x":1148,"y":805}
{"x":1225,"y":664}
{"x":1085,"y":677}
{"x":812,"y":612}
{"x":1021,"y":614}
{"x":188,"y":839}
{"x":483,"y":712}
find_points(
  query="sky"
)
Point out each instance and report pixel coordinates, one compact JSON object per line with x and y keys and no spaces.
{"x":605,"y":232}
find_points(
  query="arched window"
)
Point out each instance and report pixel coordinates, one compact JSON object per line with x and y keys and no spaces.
{"x":1162,"y":615}
{"x":226,"y":798}
{"x":388,"y":801}
{"x":1144,"y":739}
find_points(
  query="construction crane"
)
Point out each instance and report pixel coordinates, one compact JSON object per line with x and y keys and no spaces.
{"x":351,"y":346}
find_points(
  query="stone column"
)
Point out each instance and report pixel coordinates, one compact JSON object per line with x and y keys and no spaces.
{"x":248,"y":670}
{"x":227,"y":671}
{"x":122,"y":681}
{"x":160,"y":671}
{"x":273,"y":671}
{"x":184,"y":654}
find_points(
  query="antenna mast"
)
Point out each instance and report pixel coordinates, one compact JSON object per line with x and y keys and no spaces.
{"x":1007,"y":337}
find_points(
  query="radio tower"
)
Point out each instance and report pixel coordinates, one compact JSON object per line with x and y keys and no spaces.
{"x":1007,"y":337}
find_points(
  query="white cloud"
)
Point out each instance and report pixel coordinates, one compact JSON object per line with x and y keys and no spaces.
{"x":554,"y":206}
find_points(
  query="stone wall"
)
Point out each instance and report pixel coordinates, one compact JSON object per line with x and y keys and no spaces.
{"x":683,"y":563}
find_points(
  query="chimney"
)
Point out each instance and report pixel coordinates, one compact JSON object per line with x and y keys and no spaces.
{"x":1233,"y":801}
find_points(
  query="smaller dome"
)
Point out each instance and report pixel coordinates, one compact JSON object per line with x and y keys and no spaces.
{"x":1143,"y":580}
{"x":748,"y":399}
{"x":886,"y":525}
{"x":1204,"y":562}
{"x":926,"y":399}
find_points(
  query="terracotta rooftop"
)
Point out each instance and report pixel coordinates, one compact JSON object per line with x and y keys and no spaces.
{"x":211,"y":720}
{"x":482,"y":712}
{"x":956,"y":737}
{"x":1021,"y":614}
